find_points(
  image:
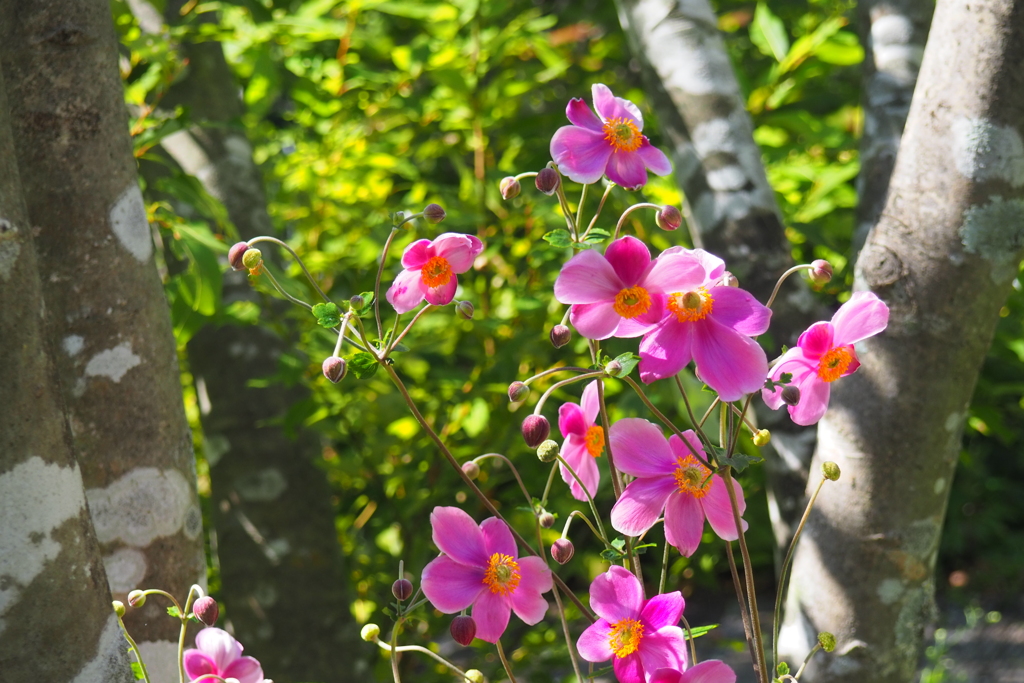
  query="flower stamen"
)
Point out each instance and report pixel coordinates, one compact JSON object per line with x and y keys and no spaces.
{"x":632,"y":302}
{"x":436,"y":272}
{"x":691,"y":306}
{"x":595,"y":441}
{"x":625,"y":637}
{"x":623,"y":134}
{"x":502,"y":574}
{"x":835,"y":363}
{"x":692,"y":477}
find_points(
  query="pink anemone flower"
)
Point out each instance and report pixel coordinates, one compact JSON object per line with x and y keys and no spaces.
{"x":669,"y":478}
{"x":824,"y":353}
{"x":711,"y":671}
{"x":219,"y":654}
{"x":623,"y":292}
{"x":481,"y":567}
{"x":430,"y":270}
{"x":584,"y":442}
{"x":711,"y":324}
{"x":610,"y":143}
{"x":641,"y":635}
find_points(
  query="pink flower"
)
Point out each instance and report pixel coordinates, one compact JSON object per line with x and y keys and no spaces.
{"x":669,"y":478}
{"x":219,"y":654}
{"x":481,"y":567}
{"x":641,"y":635}
{"x":711,"y":671}
{"x":622,"y":293}
{"x":611,"y":145}
{"x":711,"y":324}
{"x":824,"y":353}
{"x":584,"y":442}
{"x":430,"y":270}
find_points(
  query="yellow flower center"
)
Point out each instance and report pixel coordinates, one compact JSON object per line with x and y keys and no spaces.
{"x":834,"y":363}
{"x":625,"y":637}
{"x":502,"y":575}
{"x":692,"y":477}
{"x":623,"y":134}
{"x":436,"y":272}
{"x":632,"y":302}
{"x":595,"y":441}
{"x":691,"y":306}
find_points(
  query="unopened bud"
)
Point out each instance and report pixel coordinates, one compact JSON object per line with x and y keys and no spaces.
{"x":509,"y":187}
{"x":562,"y":550}
{"x":517,"y":391}
{"x":357,"y":302}
{"x":790,"y":394}
{"x":471,"y":469}
{"x":397,"y":217}
{"x":762,"y":437}
{"x":136,"y":598}
{"x":547,"y":451}
{"x":433,"y":213}
{"x":728,"y":280}
{"x":465,"y":309}
{"x":463,"y":629}
{"x":402,"y":589}
{"x":691,"y":301}
{"x":547,"y":180}
{"x":118,"y":608}
{"x":235,"y":254}
{"x":206,"y":610}
{"x":830,"y":470}
{"x":475,"y":676}
{"x":335,"y":369}
{"x":535,"y":429}
{"x":560,"y":336}
{"x":252,"y":258}
{"x":369,"y":632}
{"x":613,"y":368}
{"x":827,"y":640}
{"x":821,"y":272}
{"x":668,"y":218}
{"x":546,"y":520}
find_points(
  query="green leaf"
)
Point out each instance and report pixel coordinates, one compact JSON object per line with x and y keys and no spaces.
{"x":363,"y":365}
{"x":768,"y":33}
{"x":137,"y":671}
{"x":784,"y":379}
{"x":597,"y":236}
{"x":699,"y":631}
{"x":559,"y":238}
{"x":782,"y":669}
{"x":327,"y":315}
{"x":739,"y":461}
{"x":628,"y":361}
{"x":173,"y":611}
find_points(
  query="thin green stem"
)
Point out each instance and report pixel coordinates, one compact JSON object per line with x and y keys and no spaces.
{"x":689,"y":411}
{"x":567,"y":368}
{"x":741,"y":598}
{"x":667,"y":422}
{"x":579,"y":207}
{"x":561,"y":383}
{"x":416,"y":648}
{"x":689,"y":637}
{"x":393,"y":655}
{"x":664,"y":569}
{"x":604,"y":197}
{"x":547,"y":486}
{"x":586,"y":520}
{"x":590,"y":499}
{"x":280,"y":290}
{"x":622,"y":218}
{"x":266,"y":238}
{"x":782,"y":278}
{"x":376,"y":283}
{"x":504,"y":661}
{"x":807,"y":659}
{"x":522,"y":486}
{"x":570,"y":645}
{"x":564,"y":203}
{"x":395,"y":340}
{"x":184,"y":626}
{"x":135,"y":650}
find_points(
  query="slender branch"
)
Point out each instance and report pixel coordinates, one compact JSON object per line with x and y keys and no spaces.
{"x":664,"y":569}
{"x":399,"y":338}
{"x":741,"y":598}
{"x":135,"y":650}
{"x":689,"y":637}
{"x":280,"y":290}
{"x":298,"y":260}
{"x":423,"y":650}
{"x":807,"y":659}
{"x":675,"y":430}
{"x":593,"y":506}
{"x":579,"y":208}
{"x":522,"y":486}
{"x":551,"y":371}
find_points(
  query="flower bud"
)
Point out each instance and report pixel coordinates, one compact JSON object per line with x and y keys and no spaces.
{"x":136,"y":598}
{"x":433,"y":213}
{"x":206,"y":610}
{"x":790,"y":394}
{"x":827,"y":640}
{"x":548,"y":180}
{"x":402,"y":589}
{"x":235,"y":254}
{"x":465,"y":309}
{"x":613,"y":368}
{"x":118,"y":608}
{"x":517,"y":391}
{"x":370,"y":632}
{"x":762,"y":437}
{"x":728,"y":280}
{"x":509,"y":187}
{"x":252,"y":258}
{"x":463,"y":629}
{"x":475,"y":676}
{"x":560,"y":336}
{"x":668,"y":218}
{"x":547,"y":451}
{"x":562,"y":550}
{"x":830,"y":470}
{"x":335,"y":369}
{"x":821,"y":272}
{"x":535,"y":429}
{"x":397,"y":217}
{"x":357,"y":302}
{"x":471,"y":469}
{"x":546,"y":520}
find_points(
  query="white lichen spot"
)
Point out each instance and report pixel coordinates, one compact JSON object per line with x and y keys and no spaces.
{"x":890,"y":590}
{"x":73,"y":344}
{"x":161,"y":658}
{"x":126,"y":568}
{"x":892,"y":29}
{"x":727,"y":178}
{"x":262,"y":486}
{"x":995,"y":232}
{"x":238,"y":146}
{"x":10,"y":248}
{"x":940,"y":485}
{"x":954,"y":421}
{"x":983,"y":151}
{"x":141,"y":506}
{"x":129,"y":223}
{"x":113,"y":363}
{"x":193,"y":524}
{"x":110,"y":665}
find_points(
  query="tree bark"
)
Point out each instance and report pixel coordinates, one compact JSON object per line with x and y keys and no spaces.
{"x":105,"y":305}
{"x":943,"y":257}
{"x":56,"y":623}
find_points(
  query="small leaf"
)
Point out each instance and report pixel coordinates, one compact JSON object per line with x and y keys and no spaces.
{"x":327,"y":315}
{"x":597,"y":236}
{"x":699,"y":631}
{"x":173,"y":611}
{"x":740,"y":461}
{"x":782,"y":669}
{"x":559,"y":238}
{"x":137,"y":671}
{"x":363,"y":365}
{"x":768,"y":33}
{"x":628,"y":361}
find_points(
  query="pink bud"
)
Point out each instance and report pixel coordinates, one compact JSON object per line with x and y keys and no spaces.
{"x":434,"y":213}
{"x":402,"y":589}
{"x":562,"y":550}
{"x":546,"y":520}
{"x":471,"y":469}
{"x":791,"y":395}
{"x":205,"y":608}
{"x":535,"y":429}
{"x":235,"y":254}
{"x":465,"y":310}
{"x":560,"y":336}
{"x":547,"y":180}
{"x":668,"y":218}
{"x":509,"y":187}
{"x":335,"y":369}
{"x":463,"y":629}
{"x":821,"y":272}
{"x":517,"y":391}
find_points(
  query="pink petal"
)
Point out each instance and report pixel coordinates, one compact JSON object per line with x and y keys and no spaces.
{"x":593,"y":644}
{"x":676,"y":272}
{"x":610,"y":107}
{"x":458,"y":536}
{"x":579,"y":114}
{"x":587,"y":278}
{"x":640,"y":505}
{"x":595,"y":321}
{"x":640,"y":449}
{"x":629,"y":258}
{"x":719,"y":510}
{"x":665,"y":676}
{"x":571,"y":420}
{"x":816,"y":341}
{"x":663,"y":610}
{"x":793,"y":362}
{"x":416,"y":254}
{"x":491,"y":614}
{"x":684,"y":523}
{"x":534,"y":579}
{"x":814,"y":395}
{"x":581,"y":154}
{"x":405,"y":293}
{"x":452,"y":587}
{"x":459,"y":250}
{"x":713,"y":266}
{"x":626,"y":169}
{"x":654,"y":159}
{"x":590,"y":403}
{"x":664,"y":649}
{"x":440,"y":296}
{"x":585,"y":467}
{"x":666,"y":350}
{"x":854,"y":361}
{"x":629,"y":669}
{"x":219,"y":646}
{"x":730,"y":363}
{"x":498,"y":538}
{"x":679,"y":449}
{"x":616,"y":595}
{"x":863,"y":316}
{"x":245,"y":669}
{"x":711,"y":671}
{"x":739,"y":310}
{"x":198,"y":664}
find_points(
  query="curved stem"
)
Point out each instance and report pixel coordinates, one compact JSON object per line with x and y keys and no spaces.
{"x":266,"y":238}
{"x":135,"y":649}
{"x":622,"y":218}
{"x":590,"y":499}
{"x":664,"y":569}
{"x":668,"y":423}
{"x":782,"y":278}
{"x":522,"y":486}
{"x":504,"y":661}
{"x":570,"y":645}
{"x":576,"y":513}
{"x":604,"y":197}
{"x":551,"y":371}
{"x":393,"y":655}
{"x":689,"y":637}
{"x":184,"y":626}
{"x":376,"y":283}
{"x":807,"y":659}
{"x":396,"y":340}
{"x":280,"y":290}
{"x":423,"y":650}
{"x":579,"y":207}
{"x":689,"y":411}
{"x":742,"y":600}
{"x":547,"y":486}
{"x":755,"y":619}
{"x":579,"y":378}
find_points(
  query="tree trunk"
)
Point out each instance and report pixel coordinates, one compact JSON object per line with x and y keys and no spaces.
{"x":942,"y":256}
{"x":105,"y":305}
{"x":56,"y":623}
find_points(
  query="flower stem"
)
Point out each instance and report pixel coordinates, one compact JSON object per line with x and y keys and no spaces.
{"x":400,"y":337}
{"x":547,"y":486}
{"x":590,"y":499}
{"x":417,"y":648}
{"x":604,"y":197}
{"x":522,"y":486}
{"x":689,"y":637}
{"x":579,"y":208}
{"x":551,"y":371}
{"x":504,"y":661}
{"x":561,"y":383}
{"x":184,"y":626}
{"x":741,"y":598}
{"x":807,"y":659}
{"x":689,"y":411}
{"x":302,"y":265}
{"x":135,"y":650}
{"x":664,"y":569}
{"x":622,"y":218}
{"x":376,"y":284}
{"x":675,"y":430}
{"x":280,"y":290}
{"x":577,"y":513}
{"x":782,"y":278}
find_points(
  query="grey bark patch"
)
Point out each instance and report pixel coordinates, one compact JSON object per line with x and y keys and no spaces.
{"x":73,"y":344}
{"x":108,"y":666}
{"x":261,"y":487}
{"x":983,"y":150}
{"x":995,"y":232}
{"x":129,"y":223}
{"x":10,"y":248}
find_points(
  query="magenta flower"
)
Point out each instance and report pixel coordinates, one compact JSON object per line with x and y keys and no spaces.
{"x":611,"y":145}
{"x":584,"y":442}
{"x":622,"y":293}
{"x":824,"y":353}
{"x":430,"y":270}
{"x":481,"y":567}
{"x":711,"y":671}
{"x":219,"y":654}
{"x":641,"y":635}
{"x":669,"y":478}
{"x":712,"y":324}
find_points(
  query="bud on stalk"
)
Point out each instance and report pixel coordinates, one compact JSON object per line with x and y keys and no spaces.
{"x":235,"y":254}
{"x":562,"y":550}
{"x":509,"y":187}
{"x":547,"y":180}
{"x":463,"y":629}
{"x":535,"y":429}
{"x":560,"y":336}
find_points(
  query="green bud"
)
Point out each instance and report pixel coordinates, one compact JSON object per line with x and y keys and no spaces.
{"x":827,"y":640}
{"x":465,"y":310}
{"x":782,"y":669}
{"x":252,"y":258}
{"x":370,"y":632}
{"x":357,"y":302}
{"x":830,"y":470}
{"x":613,"y":368}
{"x":118,"y":608}
{"x":475,"y":676}
{"x":548,"y":451}
{"x":762,"y":437}
{"x":136,"y":598}
{"x":471,"y":469}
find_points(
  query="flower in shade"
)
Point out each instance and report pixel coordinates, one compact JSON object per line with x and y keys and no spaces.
{"x":430,"y":270}
{"x":481,"y":568}
{"x":219,"y":654}
{"x":610,"y":143}
{"x":639,"y":636}
{"x":711,"y":671}
{"x":824,"y":353}
{"x":623,"y":292}
{"x":670,"y":478}
{"x":584,"y":442}
{"x":712,"y":324}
